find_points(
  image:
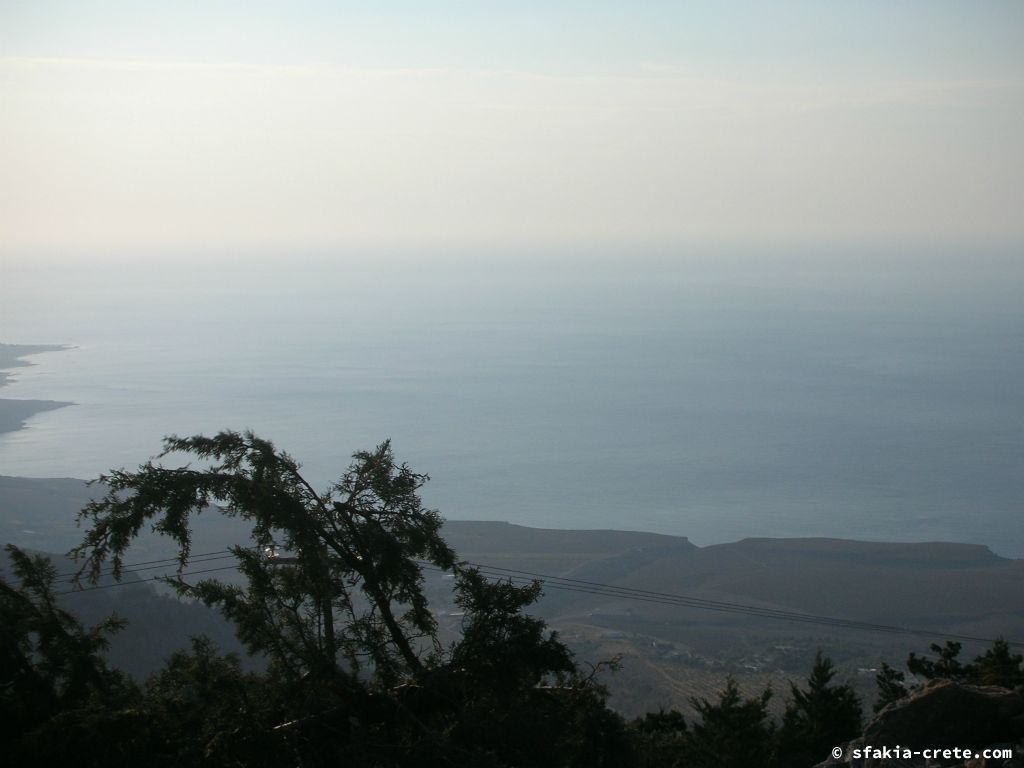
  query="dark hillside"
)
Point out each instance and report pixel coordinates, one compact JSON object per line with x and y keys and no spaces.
{"x":158,"y":624}
{"x":670,"y":652}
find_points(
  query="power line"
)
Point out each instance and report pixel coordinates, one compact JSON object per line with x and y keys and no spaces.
{"x":688,"y":600}
{"x":135,"y":569}
{"x":141,"y":581}
{"x":600,"y":589}
{"x":685,"y":601}
{"x":72,"y":575}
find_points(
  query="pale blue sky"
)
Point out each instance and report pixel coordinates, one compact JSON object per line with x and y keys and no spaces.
{"x":216,"y":125}
{"x":937,"y":37}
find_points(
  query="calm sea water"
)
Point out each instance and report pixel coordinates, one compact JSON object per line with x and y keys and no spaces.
{"x":865,"y":397}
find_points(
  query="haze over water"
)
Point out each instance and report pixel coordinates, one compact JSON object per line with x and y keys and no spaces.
{"x":862,"y":396}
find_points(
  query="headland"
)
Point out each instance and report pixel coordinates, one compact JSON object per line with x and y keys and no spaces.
{"x":14,"y":413}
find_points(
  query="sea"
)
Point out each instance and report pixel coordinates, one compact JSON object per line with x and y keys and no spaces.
{"x":873,"y":395}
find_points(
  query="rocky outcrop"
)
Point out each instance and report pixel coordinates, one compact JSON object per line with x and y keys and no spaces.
{"x":944,"y":724}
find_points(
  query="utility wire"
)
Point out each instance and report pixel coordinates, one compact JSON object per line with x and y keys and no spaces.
{"x":135,"y":569}
{"x":582,"y":586}
{"x":683,"y":601}
{"x":687,"y":600}
{"x":71,"y":575}
{"x":151,"y":578}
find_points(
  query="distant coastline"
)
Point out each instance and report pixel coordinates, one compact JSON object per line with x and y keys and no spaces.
{"x":14,"y":413}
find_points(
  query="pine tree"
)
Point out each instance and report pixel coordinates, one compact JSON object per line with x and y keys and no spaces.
{"x":333,"y":597}
{"x":999,"y":667}
{"x":349,"y":593}
{"x":733,"y":732}
{"x":947,"y":666}
{"x":660,"y":739}
{"x":211,"y":713}
{"x":891,"y":686}
{"x":818,"y":718}
{"x":58,"y":697}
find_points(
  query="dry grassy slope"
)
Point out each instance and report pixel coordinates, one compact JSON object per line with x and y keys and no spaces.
{"x":548,"y":551}
{"x":951,"y":587}
{"x":671,"y":654}
{"x":946,"y":586}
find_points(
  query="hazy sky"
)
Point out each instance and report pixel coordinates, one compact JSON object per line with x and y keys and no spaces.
{"x":148,"y":126}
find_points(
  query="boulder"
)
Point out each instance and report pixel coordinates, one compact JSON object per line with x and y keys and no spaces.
{"x":943,"y":714}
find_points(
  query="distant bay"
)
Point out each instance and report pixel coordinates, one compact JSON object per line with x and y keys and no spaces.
{"x":858,"y":397}
{"x":14,"y":413}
